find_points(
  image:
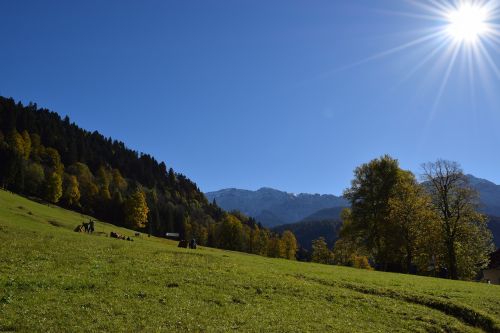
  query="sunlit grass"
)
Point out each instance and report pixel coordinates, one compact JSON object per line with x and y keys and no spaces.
{"x":55,"y":280}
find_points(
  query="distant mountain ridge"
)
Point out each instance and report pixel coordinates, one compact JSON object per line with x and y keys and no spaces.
{"x":489,"y":194}
{"x":273,"y":207}
{"x":282,"y":210}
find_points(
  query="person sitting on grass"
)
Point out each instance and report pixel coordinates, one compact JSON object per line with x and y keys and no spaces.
{"x":192,"y":244}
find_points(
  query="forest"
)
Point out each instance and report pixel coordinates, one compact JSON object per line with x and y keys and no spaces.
{"x":49,"y":158}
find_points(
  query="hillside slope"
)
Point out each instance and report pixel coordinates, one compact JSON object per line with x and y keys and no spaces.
{"x":55,"y":280}
{"x":46,"y":156}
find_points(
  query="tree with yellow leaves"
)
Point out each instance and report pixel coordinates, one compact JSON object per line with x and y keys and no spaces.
{"x":53,"y":187}
{"x":290,"y":244}
{"x":136,"y":210}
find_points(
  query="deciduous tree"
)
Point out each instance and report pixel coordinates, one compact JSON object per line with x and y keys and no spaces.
{"x":463,"y":230}
{"x":71,"y":193}
{"x":410,"y":210}
{"x":229,"y":233}
{"x":320,"y":252}
{"x":290,"y":244}
{"x":34,"y":178}
{"x":136,"y":210}
{"x":369,"y":195}
{"x":53,"y":187}
{"x":275,"y":247}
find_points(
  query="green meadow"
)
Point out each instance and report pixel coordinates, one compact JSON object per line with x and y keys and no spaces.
{"x":53,"y":279}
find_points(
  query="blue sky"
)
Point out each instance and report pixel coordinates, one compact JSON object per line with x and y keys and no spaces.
{"x":286,"y":94}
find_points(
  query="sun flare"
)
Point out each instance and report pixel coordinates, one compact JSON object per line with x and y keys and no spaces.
{"x":467,"y":23}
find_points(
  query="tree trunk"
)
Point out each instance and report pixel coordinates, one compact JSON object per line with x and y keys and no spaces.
{"x":452,"y":261}
{"x":409,"y":257}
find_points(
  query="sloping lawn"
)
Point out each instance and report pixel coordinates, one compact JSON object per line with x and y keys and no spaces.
{"x":55,"y":280}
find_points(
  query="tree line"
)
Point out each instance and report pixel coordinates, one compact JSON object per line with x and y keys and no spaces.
{"x":50,"y":158}
{"x":396,"y":223}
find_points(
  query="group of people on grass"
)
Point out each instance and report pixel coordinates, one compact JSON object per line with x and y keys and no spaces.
{"x":185,"y":244}
{"x":87,"y":227}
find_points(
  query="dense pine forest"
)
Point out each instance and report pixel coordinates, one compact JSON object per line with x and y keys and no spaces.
{"x":46,"y":157}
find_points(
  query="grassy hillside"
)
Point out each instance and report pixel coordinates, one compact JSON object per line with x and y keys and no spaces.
{"x":55,"y":280}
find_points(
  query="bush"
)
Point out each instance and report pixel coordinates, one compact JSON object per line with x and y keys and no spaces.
{"x":361,"y":262}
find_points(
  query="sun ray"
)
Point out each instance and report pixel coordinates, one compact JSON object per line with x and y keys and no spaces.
{"x":465,"y":30}
{"x":435,"y":7}
{"x":396,"y":49}
{"x":424,"y":61}
{"x":444,"y":82}
{"x":412,"y":15}
{"x":436,"y":33}
{"x":490,"y":61}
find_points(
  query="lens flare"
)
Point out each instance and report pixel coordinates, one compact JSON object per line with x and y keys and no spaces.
{"x":467,"y":23}
{"x":456,"y":37}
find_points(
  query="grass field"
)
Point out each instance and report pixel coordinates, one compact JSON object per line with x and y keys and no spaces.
{"x":55,"y":280}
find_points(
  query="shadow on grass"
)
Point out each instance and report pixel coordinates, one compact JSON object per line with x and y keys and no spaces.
{"x":460,"y":312}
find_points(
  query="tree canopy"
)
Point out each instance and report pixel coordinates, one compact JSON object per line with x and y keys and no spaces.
{"x":402,"y":225}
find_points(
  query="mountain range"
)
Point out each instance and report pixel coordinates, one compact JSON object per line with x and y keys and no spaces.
{"x":299,"y":212}
{"x":489,"y":194}
{"x":273,"y":207}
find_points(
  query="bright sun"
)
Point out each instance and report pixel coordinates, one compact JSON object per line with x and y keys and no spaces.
{"x":467,"y":23}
